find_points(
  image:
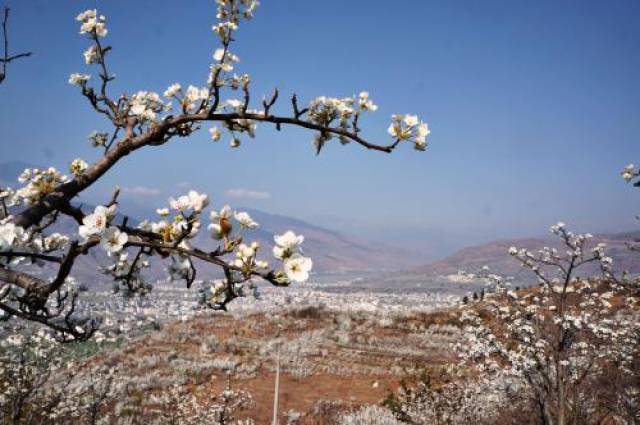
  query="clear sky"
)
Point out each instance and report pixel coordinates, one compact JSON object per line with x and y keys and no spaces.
{"x":533,"y":107}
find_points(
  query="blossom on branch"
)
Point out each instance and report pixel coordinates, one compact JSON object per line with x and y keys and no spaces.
{"x":92,"y":23}
{"x":95,"y":224}
{"x":113,"y":240}
{"x":224,"y":103}
{"x":79,"y":79}
{"x":297,"y":268}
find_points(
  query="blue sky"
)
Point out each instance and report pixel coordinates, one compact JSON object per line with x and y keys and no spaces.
{"x":533,"y":108}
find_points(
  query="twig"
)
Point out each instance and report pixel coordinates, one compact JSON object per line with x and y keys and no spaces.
{"x":7,"y":58}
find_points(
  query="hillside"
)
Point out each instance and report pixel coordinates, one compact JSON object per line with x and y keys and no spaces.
{"x":331,"y":251}
{"x":331,"y":361}
{"x":494,"y":255}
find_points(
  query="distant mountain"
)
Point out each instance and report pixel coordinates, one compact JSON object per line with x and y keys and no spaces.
{"x":331,"y":251}
{"x":494,"y":255}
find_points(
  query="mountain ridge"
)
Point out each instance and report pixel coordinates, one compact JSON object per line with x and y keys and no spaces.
{"x":495,"y":255}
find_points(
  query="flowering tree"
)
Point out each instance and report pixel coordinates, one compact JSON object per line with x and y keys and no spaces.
{"x":7,"y":58}
{"x":40,"y":383}
{"x":43,"y":381}
{"x":26,"y":366}
{"x":187,"y":409}
{"x":144,"y":120}
{"x":448,"y":400}
{"x":558,"y":339}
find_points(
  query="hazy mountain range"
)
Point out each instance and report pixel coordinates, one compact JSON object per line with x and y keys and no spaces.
{"x":494,"y":255}
{"x":337,"y":252}
{"x":331,"y":251}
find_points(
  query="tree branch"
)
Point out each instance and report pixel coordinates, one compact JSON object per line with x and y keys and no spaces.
{"x":156,"y":135}
{"x":7,"y":58}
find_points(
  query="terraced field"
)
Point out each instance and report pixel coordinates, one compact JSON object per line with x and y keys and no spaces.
{"x":330,"y":360}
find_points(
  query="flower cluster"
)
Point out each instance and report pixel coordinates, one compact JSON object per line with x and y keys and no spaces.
{"x":77,"y":79}
{"x":455,"y":401}
{"x":230,"y":12}
{"x":77,"y":167}
{"x":16,"y":239}
{"x":95,"y":224}
{"x":10,"y":236}
{"x":296,"y":267}
{"x":409,"y":127}
{"x":324,"y":111}
{"x":191,"y":201}
{"x":146,"y":105}
{"x":185,"y":222}
{"x":91,"y":55}
{"x":173,"y":90}
{"x":221,"y":225}
{"x":630,"y":173}
{"x":365,"y":103}
{"x":287,"y":249}
{"x":193,"y":97}
{"x":225,"y":60}
{"x":26,"y":362}
{"x":93,"y":24}
{"x":39,"y":183}
{"x":238,"y":125}
{"x":246,"y":258}
{"x":224,"y":30}
{"x":98,"y":139}
{"x":112,"y":240}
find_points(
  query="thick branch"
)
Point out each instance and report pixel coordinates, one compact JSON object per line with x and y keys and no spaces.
{"x":22,"y":280}
{"x":209,"y":257}
{"x":157,"y":135}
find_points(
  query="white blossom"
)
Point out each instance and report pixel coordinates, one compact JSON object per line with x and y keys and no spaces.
{"x":91,"y":55}
{"x":297,"y":268}
{"x":365,"y":103}
{"x":77,"y":79}
{"x":113,"y":240}
{"x":96,"y":223}
{"x":629,"y":172}
{"x":245,"y":220}
{"x":173,"y":90}
{"x":92,"y":23}
{"x":77,"y":167}
{"x":8,"y":234}
{"x":98,"y":139}
{"x":198,"y":201}
{"x":215,"y":133}
{"x":146,"y":105}
{"x":193,"y":96}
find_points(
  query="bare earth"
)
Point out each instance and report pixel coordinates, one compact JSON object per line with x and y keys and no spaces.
{"x":331,"y":360}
